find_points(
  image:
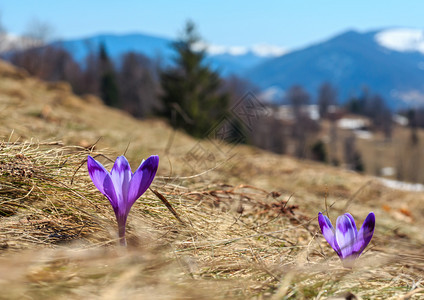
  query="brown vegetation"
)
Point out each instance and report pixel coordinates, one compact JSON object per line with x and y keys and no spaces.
{"x":248,"y":229}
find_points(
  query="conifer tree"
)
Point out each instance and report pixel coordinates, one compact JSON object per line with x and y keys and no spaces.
{"x":191,"y":94}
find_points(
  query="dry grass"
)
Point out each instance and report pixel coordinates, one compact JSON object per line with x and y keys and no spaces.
{"x":236,"y":241}
{"x":249,"y":223}
{"x":378,"y":152}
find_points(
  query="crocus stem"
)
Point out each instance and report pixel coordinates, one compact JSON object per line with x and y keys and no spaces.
{"x":349,"y":262}
{"x":121,"y":232}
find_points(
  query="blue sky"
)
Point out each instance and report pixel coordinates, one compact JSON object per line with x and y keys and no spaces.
{"x":287,"y":23}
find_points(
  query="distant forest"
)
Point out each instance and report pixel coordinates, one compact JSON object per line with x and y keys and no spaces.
{"x":194,"y":97}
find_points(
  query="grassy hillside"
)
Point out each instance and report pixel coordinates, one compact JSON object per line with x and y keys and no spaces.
{"x":377,"y":152}
{"x":248,"y":217}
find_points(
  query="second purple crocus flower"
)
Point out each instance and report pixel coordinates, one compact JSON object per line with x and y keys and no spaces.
{"x":346,"y":240}
{"x":121,"y":186}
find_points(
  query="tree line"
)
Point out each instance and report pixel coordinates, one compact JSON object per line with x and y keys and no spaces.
{"x":193,"y":97}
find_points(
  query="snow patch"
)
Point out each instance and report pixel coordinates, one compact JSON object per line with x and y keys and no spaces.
{"x":268,"y":50}
{"x":401,"y":185}
{"x":263,"y":50}
{"x":400,"y":120}
{"x":402,"y":39}
{"x":9,"y":42}
{"x":363,"y":134}
{"x":272,"y":94}
{"x":410,"y":97}
{"x":237,"y":50}
{"x":352,"y":124}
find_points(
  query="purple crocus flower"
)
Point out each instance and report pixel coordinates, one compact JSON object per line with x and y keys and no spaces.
{"x":121,"y":186}
{"x":346,"y":240}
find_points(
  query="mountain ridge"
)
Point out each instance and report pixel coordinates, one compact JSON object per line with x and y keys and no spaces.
{"x":385,"y":61}
{"x":350,"y":61}
{"x":160,"y":49}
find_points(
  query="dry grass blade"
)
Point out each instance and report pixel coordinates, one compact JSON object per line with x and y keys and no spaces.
{"x":167,"y":204}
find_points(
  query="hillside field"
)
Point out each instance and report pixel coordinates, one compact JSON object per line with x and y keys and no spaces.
{"x":247,"y":219}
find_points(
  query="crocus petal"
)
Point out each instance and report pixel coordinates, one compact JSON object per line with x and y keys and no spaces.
{"x":345,"y":235}
{"x":142,"y":179}
{"x":97,"y":173}
{"x":352,"y":220}
{"x":121,"y":176}
{"x":365,"y":233}
{"x":328,"y":232}
{"x":102,"y":180}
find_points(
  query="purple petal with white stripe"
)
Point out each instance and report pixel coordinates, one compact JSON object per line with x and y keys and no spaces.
{"x":121,"y":176}
{"x":328,"y":232}
{"x":365,"y":233}
{"x":102,"y":180}
{"x":345,"y":235}
{"x":142,"y":179}
{"x":352,"y":220}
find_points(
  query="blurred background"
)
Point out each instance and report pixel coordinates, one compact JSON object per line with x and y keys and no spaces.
{"x":341,"y":83}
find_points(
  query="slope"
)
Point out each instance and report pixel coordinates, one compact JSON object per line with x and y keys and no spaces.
{"x":249,"y":221}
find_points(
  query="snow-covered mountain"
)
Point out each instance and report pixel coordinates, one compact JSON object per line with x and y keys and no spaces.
{"x":227,"y":60}
{"x":389,"y":62}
